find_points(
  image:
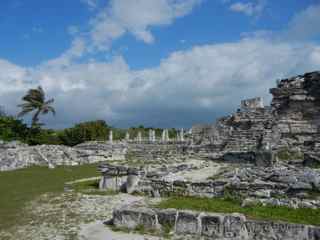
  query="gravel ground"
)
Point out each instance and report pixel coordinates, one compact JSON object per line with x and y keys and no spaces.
{"x":65,"y":216}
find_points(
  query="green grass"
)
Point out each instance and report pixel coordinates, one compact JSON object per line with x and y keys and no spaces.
{"x":302,"y":216}
{"x":19,"y":187}
{"x":91,"y":187}
{"x":286,"y":154}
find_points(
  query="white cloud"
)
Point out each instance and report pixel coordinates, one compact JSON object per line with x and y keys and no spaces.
{"x":76,"y":50}
{"x":12,"y":77}
{"x":304,"y":25}
{"x":92,"y":4}
{"x":204,"y":81}
{"x":135,"y":17}
{"x":249,"y":8}
{"x":189,"y":86}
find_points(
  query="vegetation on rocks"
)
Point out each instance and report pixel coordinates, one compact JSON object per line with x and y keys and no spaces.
{"x":286,"y":154}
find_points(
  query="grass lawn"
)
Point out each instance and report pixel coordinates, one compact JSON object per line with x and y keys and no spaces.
{"x":302,"y":216}
{"x":91,"y":187}
{"x":19,"y":187}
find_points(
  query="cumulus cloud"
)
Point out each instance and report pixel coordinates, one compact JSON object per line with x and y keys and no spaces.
{"x":304,"y":24}
{"x":190,"y":86}
{"x":135,"y":17}
{"x":200,"y":83}
{"x":76,"y":51}
{"x":249,"y":8}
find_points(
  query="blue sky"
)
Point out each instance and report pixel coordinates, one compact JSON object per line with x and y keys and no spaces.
{"x":167,"y":63}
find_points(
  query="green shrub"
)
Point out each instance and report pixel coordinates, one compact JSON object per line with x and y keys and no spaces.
{"x":12,"y":129}
{"x":86,"y":131}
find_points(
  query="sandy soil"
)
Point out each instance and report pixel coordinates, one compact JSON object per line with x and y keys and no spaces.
{"x":98,"y":231}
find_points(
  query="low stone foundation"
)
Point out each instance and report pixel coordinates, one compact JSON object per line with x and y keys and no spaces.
{"x":211,"y":225}
{"x":289,"y":186}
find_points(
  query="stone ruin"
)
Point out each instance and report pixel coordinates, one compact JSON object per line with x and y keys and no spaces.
{"x":263,"y":154}
{"x":210,"y":225}
{"x":269,"y":151}
{"x":252,"y":104}
{"x":290,"y":124}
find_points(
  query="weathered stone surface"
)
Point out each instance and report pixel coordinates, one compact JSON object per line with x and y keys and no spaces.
{"x":187,"y":223}
{"x":167,"y":217}
{"x":216,"y":226}
{"x":285,"y":182}
{"x":212,"y":226}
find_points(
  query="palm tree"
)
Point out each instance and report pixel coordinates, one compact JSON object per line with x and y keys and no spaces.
{"x":35,"y":101}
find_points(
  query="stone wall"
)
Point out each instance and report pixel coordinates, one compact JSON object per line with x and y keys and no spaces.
{"x":278,"y":185}
{"x":15,"y":155}
{"x":291,"y":122}
{"x":252,"y":104}
{"x":157,"y":151}
{"x":211,"y":225}
{"x":296,"y":106}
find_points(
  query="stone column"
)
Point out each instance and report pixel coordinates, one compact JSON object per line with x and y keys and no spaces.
{"x":153,"y":135}
{"x":111,"y":136}
{"x":139,"y":137}
{"x":163,"y":135}
{"x":132,"y":180}
{"x":150,"y":135}
{"x":182,"y":135}
{"x":167,"y":135}
{"x":127,"y":137}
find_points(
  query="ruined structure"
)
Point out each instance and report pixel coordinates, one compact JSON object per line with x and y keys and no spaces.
{"x":290,"y":124}
{"x":211,"y":226}
{"x":292,"y":120}
{"x":260,"y":154}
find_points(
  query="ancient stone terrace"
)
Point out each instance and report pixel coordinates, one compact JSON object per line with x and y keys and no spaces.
{"x":210,"y":225}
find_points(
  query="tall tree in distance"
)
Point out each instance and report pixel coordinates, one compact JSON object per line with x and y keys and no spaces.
{"x":35,"y":101}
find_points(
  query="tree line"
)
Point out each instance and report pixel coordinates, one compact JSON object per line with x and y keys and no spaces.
{"x":34,"y":102}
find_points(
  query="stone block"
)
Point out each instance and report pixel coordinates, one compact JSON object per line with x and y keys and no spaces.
{"x":314,"y":233}
{"x":132,"y":183}
{"x":148,"y":218}
{"x":167,"y":217}
{"x":252,"y":104}
{"x":212,"y":225}
{"x":233,"y":226}
{"x":187,"y":223}
{"x":264,"y":158}
{"x":126,"y":218}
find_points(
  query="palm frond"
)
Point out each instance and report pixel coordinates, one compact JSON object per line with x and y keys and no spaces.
{"x":48,"y":109}
{"x":25,"y":111}
{"x":35,"y":100}
{"x":49,"y":101}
